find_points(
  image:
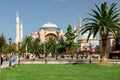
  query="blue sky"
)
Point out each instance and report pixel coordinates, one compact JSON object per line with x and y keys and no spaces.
{"x":35,"y":13}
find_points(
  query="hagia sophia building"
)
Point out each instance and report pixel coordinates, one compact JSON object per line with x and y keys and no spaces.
{"x":50,"y":29}
{"x":47,"y":30}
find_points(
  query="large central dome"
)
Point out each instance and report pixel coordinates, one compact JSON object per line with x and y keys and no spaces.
{"x":49,"y":25}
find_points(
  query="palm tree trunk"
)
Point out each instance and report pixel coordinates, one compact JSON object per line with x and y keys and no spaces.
{"x":104,"y":51}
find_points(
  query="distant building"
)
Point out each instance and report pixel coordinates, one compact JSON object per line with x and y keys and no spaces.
{"x":96,"y":43}
{"x":82,"y":40}
{"x":47,"y":30}
{"x":112,"y":53}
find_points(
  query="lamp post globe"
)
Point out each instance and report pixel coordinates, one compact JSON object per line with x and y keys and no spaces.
{"x":10,"y":41}
{"x":10,"y":64}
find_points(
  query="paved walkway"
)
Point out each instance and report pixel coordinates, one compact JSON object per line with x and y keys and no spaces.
{"x":6,"y":63}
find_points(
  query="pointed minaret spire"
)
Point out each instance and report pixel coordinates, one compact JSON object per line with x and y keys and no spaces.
{"x":79,"y":28}
{"x":17,"y":15}
{"x":74,"y":30}
{"x":17,"y":29}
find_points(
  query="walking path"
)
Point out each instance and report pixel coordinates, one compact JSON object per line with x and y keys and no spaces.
{"x":6,"y":63}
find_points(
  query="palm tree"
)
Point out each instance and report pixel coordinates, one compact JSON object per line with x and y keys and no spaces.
{"x":27,"y":44}
{"x":36,"y":46}
{"x":52,"y":45}
{"x":103,"y":21}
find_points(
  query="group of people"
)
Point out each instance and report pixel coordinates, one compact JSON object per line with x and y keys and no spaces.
{"x":1,"y":60}
{"x":7,"y":58}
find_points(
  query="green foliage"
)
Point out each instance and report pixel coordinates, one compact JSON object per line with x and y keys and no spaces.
{"x":52,"y":45}
{"x":27,"y":43}
{"x":70,"y":36}
{"x":5,"y":48}
{"x":2,"y":42}
{"x":36,"y":46}
{"x":61,"y":45}
{"x":31,"y":45}
{"x":103,"y":21}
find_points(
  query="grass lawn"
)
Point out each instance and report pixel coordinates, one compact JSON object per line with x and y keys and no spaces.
{"x":61,"y":72}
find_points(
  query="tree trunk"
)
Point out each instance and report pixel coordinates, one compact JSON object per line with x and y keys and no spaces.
{"x":0,"y":60}
{"x":104,"y":51}
{"x":46,"y":59}
{"x":0,"y":64}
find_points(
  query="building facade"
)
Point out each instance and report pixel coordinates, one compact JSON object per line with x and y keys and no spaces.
{"x":82,"y":40}
{"x":47,"y":30}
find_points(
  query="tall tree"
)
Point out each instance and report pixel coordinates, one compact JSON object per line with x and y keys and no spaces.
{"x":12,"y":48}
{"x":103,"y":21}
{"x":5,"y":49}
{"x":61,"y":45}
{"x":70,"y":36}
{"x":2,"y":43}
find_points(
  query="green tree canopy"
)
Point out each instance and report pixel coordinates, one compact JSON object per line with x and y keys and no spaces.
{"x":61,"y":45}
{"x":2,"y":42}
{"x":70,"y":36}
{"x":52,"y":45}
{"x":102,"y":21}
{"x":28,"y":43}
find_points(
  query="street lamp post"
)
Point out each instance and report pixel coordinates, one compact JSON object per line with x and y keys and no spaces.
{"x":18,"y":53}
{"x":10,"y":64}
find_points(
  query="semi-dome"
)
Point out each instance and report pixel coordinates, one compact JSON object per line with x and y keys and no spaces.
{"x":49,"y":25}
{"x":85,"y":35}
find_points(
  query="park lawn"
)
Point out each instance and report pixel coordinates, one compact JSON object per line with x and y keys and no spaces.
{"x":62,"y":72}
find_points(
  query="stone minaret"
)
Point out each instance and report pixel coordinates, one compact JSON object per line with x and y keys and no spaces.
{"x":21,"y":32}
{"x":17,"y":29}
{"x":79,"y":29}
{"x":75,"y":33}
